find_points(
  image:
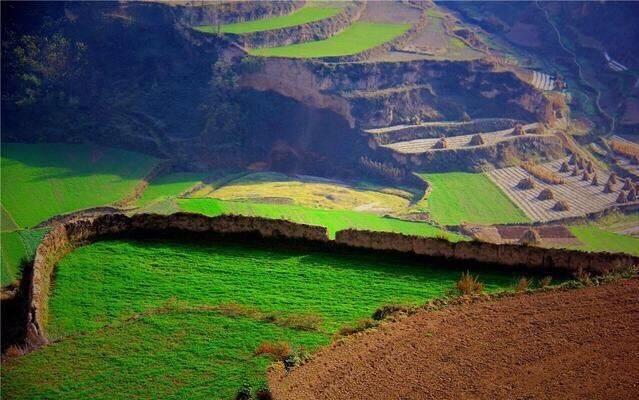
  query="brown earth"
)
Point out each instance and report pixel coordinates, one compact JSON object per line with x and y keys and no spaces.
{"x":578,"y":344}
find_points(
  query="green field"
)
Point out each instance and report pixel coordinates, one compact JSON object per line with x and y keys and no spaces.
{"x":171,"y":185}
{"x":302,"y":16}
{"x":160,"y":320}
{"x":355,"y":39}
{"x":333,"y":220}
{"x":15,"y":248}
{"x":597,"y":239}
{"x":458,"y":197}
{"x":40,"y":181}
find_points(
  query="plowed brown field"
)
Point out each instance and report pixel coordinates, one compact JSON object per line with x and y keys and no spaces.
{"x":578,"y":344}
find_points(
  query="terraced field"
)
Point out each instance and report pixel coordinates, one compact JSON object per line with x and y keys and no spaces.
{"x":306,"y":14}
{"x":593,"y":238}
{"x":40,"y":181}
{"x":582,"y":197}
{"x":458,"y":197}
{"x":333,"y":220}
{"x":357,"y":38}
{"x":183,"y":320}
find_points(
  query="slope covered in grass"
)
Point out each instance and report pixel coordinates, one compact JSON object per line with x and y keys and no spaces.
{"x":40,"y":181}
{"x":15,"y":248}
{"x":458,"y":197}
{"x":170,"y":320}
{"x":333,"y":220}
{"x":302,"y":16}
{"x":171,"y":185}
{"x":597,"y":239}
{"x":357,"y":38}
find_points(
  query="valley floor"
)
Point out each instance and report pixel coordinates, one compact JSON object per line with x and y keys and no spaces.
{"x":563,"y":344}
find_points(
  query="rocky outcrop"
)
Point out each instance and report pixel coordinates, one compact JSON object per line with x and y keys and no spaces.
{"x":198,"y":13}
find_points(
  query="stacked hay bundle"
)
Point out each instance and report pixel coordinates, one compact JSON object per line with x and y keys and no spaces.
{"x":627,"y":184}
{"x":632,"y":195}
{"x":590,"y":167}
{"x":622,"y":198}
{"x":573,"y":159}
{"x":595,"y":181}
{"x":546,"y":194}
{"x":607,"y":187}
{"x":526,"y":183}
{"x":634,"y":160}
{"x":530,"y":237}
{"x":612,"y":179}
{"x":564,"y":167}
{"x":477,"y":140}
{"x":585,"y":177}
{"x":561,"y":205}
{"x":575,"y":171}
{"x":518,"y":130}
{"x":580,"y":163}
{"x":441,"y":144}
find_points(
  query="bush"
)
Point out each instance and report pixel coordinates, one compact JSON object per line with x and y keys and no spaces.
{"x":302,"y":322}
{"x":276,"y":350}
{"x":245,"y":392}
{"x":389,"y":309}
{"x":522,"y":284}
{"x":263,"y":393}
{"x":297,"y":357}
{"x":360,"y":326}
{"x":545,"y":281}
{"x":468,"y":284}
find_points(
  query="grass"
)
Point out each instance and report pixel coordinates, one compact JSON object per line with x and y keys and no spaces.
{"x":302,"y":16}
{"x":357,"y":38}
{"x":40,"y":181}
{"x":458,"y":197}
{"x":139,"y":319}
{"x":170,"y":185}
{"x":315,"y":193}
{"x":594,"y":238}
{"x":17,"y":247}
{"x":333,"y":220}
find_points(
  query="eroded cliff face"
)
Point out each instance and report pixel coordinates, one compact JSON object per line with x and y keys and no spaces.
{"x":381,"y":94}
{"x":64,"y":238}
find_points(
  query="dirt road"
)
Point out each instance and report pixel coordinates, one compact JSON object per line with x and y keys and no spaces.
{"x":574,"y":344}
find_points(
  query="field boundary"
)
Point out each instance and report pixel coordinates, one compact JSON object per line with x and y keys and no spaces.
{"x":65,"y":237}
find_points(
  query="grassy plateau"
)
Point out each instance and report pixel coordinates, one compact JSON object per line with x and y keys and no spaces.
{"x":150,"y":319}
{"x":458,"y":197}
{"x":302,"y":16}
{"x":357,"y":38}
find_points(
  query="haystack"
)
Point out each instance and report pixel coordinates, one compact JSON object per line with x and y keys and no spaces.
{"x":585,"y":176}
{"x":627,"y":184}
{"x":546,"y":194}
{"x":477,"y":140}
{"x":525,"y":184}
{"x":441,"y":144}
{"x":622,"y":198}
{"x":575,"y":171}
{"x":564,"y":167}
{"x":632,"y":195}
{"x":634,"y":160}
{"x":580,"y":163}
{"x":573,"y":159}
{"x":518,"y":130}
{"x":530,"y":237}
{"x":607,"y":187}
{"x":613,"y":179}
{"x":589,"y":167}
{"x":561,"y":205}
{"x":595,"y":181}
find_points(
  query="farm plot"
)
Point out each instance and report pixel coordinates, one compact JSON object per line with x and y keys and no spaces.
{"x":542,"y":81}
{"x":628,"y":153}
{"x":306,"y":14}
{"x":581,"y":196}
{"x":355,"y":39}
{"x":420,"y":146}
{"x":151,"y":319}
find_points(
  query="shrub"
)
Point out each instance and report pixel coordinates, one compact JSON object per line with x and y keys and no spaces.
{"x":545,"y":281}
{"x":263,"y":393}
{"x":297,"y":357}
{"x":468,"y":284}
{"x":245,"y":392}
{"x":389,"y":309}
{"x":360,"y":326}
{"x":302,"y":322}
{"x":277,"y":350}
{"x":522,"y":284}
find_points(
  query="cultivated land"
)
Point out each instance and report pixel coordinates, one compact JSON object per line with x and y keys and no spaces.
{"x":458,"y":197}
{"x":357,"y":38}
{"x":302,"y":16}
{"x":40,"y":181}
{"x":594,"y":238}
{"x":333,"y":220}
{"x":582,"y":197}
{"x":564,"y":344}
{"x":174,"y":319}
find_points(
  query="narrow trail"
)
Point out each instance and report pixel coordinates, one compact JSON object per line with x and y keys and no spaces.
{"x":579,"y":71}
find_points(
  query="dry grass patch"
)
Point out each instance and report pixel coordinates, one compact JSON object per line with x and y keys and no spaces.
{"x":276,"y":350}
{"x":629,"y":150}
{"x":468,"y":284}
{"x":542,"y":173}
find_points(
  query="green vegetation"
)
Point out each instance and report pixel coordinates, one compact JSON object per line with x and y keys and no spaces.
{"x":302,"y":16}
{"x":355,"y":39}
{"x":597,"y":239}
{"x":458,"y":197}
{"x":40,"y":181}
{"x":180,"y":320}
{"x":333,"y":220}
{"x":170,"y":185}
{"x":17,"y":247}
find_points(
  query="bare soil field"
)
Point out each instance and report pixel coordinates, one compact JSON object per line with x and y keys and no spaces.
{"x":393,"y":12}
{"x":581,"y":196}
{"x":577,"y":344}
